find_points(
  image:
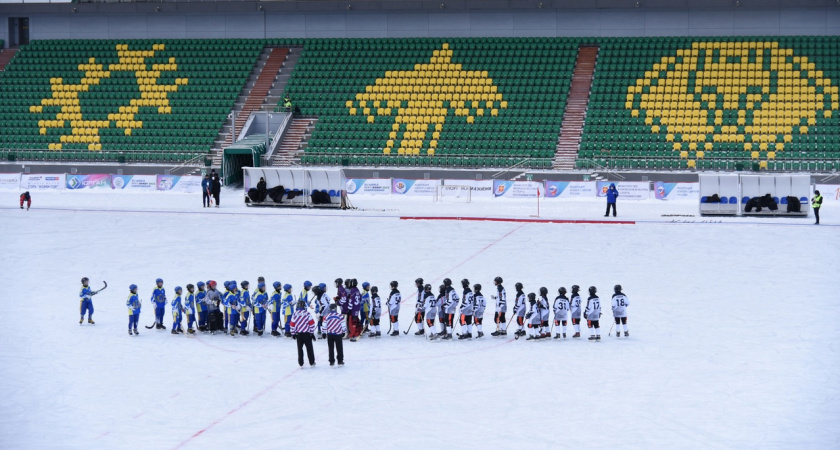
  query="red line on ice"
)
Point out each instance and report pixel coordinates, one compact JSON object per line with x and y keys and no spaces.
{"x":503,"y":219}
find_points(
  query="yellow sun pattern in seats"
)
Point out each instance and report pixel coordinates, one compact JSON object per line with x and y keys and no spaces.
{"x":66,"y":96}
{"x":422,"y":98}
{"x":754,"y":94}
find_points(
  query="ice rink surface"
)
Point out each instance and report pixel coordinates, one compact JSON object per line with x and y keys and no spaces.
{"x":733,"y":328}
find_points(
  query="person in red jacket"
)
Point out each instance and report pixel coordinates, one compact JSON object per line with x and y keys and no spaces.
{"x":25,"y":197}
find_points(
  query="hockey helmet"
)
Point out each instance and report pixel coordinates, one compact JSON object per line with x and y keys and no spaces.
{"x":394,"y":284}
{"x":465,"y":283}
{"x":447,"y":282}
{"x":277,"y":284}
{"x":132,"y":287}
{"x":374,"y":290}
{"x":592,"y":290}
{"x":518,"y":286}
{"x":190,"y":287}
{"x":287,"y":287}
{"x":178,"y":289}
{"x":159,"y":281}
{"x":418,"y":282}
{"x":562,"y":291}
{"x":200,"y":284}
{"x":617,"y":288}
{"x":245,"y":284}
{"x":543,"y":290}
{"x":85,"y":280}
{"x":497,"y":280}
{"x":307,"y":284}
{"x":427,"y":287}
{"x":477,"y":287}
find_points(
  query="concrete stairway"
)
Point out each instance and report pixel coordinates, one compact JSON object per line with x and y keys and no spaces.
{"x":6,"y":56}
{"x":574,"y":116}
{"x":294,"y":141}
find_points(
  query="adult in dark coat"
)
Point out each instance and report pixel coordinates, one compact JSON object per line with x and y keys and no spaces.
{"x":216,"y":188}
{"x":206,"y":186}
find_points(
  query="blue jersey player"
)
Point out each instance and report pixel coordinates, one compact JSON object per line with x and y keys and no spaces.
{"x":133,"y":304}
{"x":159,"y":300}
{"x":85,"y":302}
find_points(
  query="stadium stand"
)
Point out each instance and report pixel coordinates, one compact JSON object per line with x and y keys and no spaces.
{"x":160,"y":101}
{"x":760,"y":103}
{"x":481,"y":102}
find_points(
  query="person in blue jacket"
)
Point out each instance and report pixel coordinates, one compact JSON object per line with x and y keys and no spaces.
{"x":288,"y":301}
{"x":612,"y":195}
{"x":200,"y":307}
{"x":177,"y":310}
{"x":260,"y":302}
{"x":274,"y":307}
{"x":133,"y":304}
{"x":206,"y":187}
{"x":159,"y":300}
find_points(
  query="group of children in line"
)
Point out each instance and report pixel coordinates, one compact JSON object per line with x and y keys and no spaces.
{"x":208,"y":310}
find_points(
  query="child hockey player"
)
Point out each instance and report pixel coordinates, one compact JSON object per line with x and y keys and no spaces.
{"x":133,"y":305}
{"x":335,"y":328}
{"x":450,"y":307}
{"x":479,"y":304}
{"x":375,"y":313}
{"x":86,"y":302}
{"x":432,"y":306}
{"x":305,"y":294}
{"x":501,"y":308}
{"x":302,"y":326}
{"x":420,"y":305}
{"x":394,"y":300}
{"x":619,"y":310}
{"x":287,"y":300}
{"x":244,"y":308}
{"x":365,"y":309}
{"x":533,"y":317}
{"x":543,"y":301}
{"x":215,"y":319}
{"x":574,"y":308}
{"x":189,"y":308}
{"x":561,"y":309}
{"x":225,"y":303}
{"x":354,"y":304}
{"x":593,"y":314}
{"x":234,"y":298}
{"x":159,"y":300}
{"x":260,"y":301}
{"x":274,"y":307}
{"x":322,"y":306}
{"x":177,"y":309}
{"x":467,"y":303}
{"x":200,"y":307}
{"x":520,"y":306}
{"x":341,"y":296}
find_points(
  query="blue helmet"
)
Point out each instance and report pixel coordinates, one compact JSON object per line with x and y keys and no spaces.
{"x":307,"y":284}
{"x":365,"y":285}
{"x":287,"y":287}
{"x":200,"y":284}
{"x":227,"y":285}
{"x":178,"y":289}
{"x":159,"y":280}
{"x":260,"y":285}
{"x":277,"y":285}
{"x":233,"y":284}
{"x":322,"y":286}
{"x":132,"y":287}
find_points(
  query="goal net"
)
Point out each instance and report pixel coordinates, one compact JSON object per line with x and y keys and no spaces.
{"x":453,"y":194}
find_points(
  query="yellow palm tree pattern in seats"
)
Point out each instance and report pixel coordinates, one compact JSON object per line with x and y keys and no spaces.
{"x":66,"y":96}
{"x":753,"y":94}
{"x":421,"y":99}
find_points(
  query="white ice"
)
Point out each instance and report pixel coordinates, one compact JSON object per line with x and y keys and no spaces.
{"x":734,"y":335}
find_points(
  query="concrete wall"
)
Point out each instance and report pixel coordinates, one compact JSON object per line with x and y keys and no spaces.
{"x":466,"y":18}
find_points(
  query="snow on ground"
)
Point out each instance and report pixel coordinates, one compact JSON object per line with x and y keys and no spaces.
{"x":732,"y":328}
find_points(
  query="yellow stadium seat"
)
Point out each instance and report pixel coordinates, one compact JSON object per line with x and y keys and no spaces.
{"x":370,"y":119}
{"x":701,"y":154}
{"x":692,"y":164}
{"x":762,"y":165}
{"x":754,"y":155}
{"x":771,"y":155}
{"x":683,"y":154}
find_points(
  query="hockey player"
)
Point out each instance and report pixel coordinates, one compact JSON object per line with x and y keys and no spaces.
{"x":394,"y":300}
{"x":159,"y":300}
{"x":501,"y":308}
{"x":177,"y":308}
{"x":375,"y":312}
{"x":189,"y":308}
{"x":520,"y":307}
{"x":335,"y":328}
{"x":467,"y":304}
{"x":619,"y":310}
{"x":533,"y":317}
{"x":244,"y":308}
{"x":341,"y":296}
{"x":225,"y":303}
{"x":593,"y":314}
{"x":274,"y":307}
{"x":479,"y":304}
{"x":561,"y":309}
{"x":574,"y":308}
{"x":450,"y":307}
{"x":234,"y":299}
{"x":305,"y":294}
{"x":544,"y":312}
{"x":200,"y":307}
{"x":133,"y":305}
{"x":420,"y":305}
{"x":86,"y":302}
{"x":287,"y":301}
{"x":260,"y":301}
{"x":432,"y":306}
{"x":364,"y":311}
{"x":354,"y":304}
{"x":302,"y":327}
{"x":322,"y":306}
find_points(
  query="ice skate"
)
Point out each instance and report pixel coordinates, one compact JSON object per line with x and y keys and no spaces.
{"x":480,"y":334}
{"x":173,"y":331}
{"x":532,"y":338}
{"x":275,"y":333}
{"x":394,"y":333}
{"x":191,"y":331}
{"x":592,"y":338}
{"x":90,"y":321}
{"x":558,"y":336}
{"x":576,"y":335}
{"x":136,"y":332}
{"x":420,"y":332}
{"x":81,"y":320}
{"x":626,"y":334}
{"x":130,"y":333}
{"x":617,"y":334}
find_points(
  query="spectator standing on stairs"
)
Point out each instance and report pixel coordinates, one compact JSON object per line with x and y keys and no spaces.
{"x":216,"y":188}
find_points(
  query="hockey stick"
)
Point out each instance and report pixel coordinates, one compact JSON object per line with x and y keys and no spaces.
{"x":103,"y":288}
{"x":409,"y":327}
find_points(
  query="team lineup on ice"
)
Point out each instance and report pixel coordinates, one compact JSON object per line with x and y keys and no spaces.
{"x":731,"y":347}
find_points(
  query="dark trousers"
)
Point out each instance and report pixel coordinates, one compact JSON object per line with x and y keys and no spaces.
{"x":334,"y":344}
{"x":817,"y":214}
{"x":305,"y":339}
{"x":216,"y":198}
{"x":608,"y":209}
{"x":205,"y":198}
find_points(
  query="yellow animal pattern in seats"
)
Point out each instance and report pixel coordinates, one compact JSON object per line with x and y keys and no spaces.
{"x":66,"y":96}
{"x":754,"y":94}
{"x":421,"y":99}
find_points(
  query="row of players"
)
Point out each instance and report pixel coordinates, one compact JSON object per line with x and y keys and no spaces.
{"x":363,"y":309}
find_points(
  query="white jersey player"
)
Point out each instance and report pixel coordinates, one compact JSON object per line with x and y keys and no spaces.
{"x":561,"y":311}
{"x":467,"y":305}
{"x":433,"y":306}
{"x":574,"y":310}
{"x":542,"y":300}
{"x":533,"y":316}
{"x":593,"y":314}
{"x":394,"y":300}
{"x":375,"y":313}
{"x":501,"y":308}
{"x":619,"y":310}
{"x":420,"y":305}
{"x":479,"y":305}
{"x":520,"y":307}
{"x":450,"y":307}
